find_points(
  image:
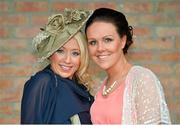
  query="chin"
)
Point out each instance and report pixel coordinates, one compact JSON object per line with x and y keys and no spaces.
{"x":104,"y":67}
{"x":65,"y":75}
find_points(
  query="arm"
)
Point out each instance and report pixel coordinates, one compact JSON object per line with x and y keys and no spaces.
{"x":36,"y":96}
{"x":150,"y":100}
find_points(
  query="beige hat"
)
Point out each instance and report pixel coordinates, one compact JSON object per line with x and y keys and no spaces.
{"x":59,"y":29}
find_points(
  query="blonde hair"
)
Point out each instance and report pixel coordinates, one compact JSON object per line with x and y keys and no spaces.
{"x":82,"y":73}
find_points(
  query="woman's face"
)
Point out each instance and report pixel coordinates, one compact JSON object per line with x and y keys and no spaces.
{"x":104,"y":44}
{"x":66,"y":61}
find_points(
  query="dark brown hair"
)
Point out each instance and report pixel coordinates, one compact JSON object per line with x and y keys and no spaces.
{"x":117,"y":18}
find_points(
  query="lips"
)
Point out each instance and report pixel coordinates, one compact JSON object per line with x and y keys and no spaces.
{"x":65,"y":68}
{"x":102,"y":57}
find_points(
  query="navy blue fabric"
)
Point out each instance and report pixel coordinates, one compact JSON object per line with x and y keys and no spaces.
{"x":49,"y":98}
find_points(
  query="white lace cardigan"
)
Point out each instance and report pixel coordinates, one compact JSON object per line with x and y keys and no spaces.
{"x":144,"y":101}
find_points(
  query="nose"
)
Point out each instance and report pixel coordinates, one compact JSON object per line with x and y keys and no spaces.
{"x":67,"y":58}
{"x":100,"y":47}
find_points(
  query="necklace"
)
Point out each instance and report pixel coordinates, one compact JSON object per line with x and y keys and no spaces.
{"x":106,"y":91}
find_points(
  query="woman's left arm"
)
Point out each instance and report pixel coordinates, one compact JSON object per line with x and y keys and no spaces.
{"x":150,"y":101}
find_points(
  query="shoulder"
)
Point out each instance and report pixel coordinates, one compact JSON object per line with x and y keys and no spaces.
{"x":141,"y":72}
{"x":43,"y":78}
{"x":142,"y":76}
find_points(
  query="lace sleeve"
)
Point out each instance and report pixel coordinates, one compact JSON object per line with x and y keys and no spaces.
{"x":149,"y":100}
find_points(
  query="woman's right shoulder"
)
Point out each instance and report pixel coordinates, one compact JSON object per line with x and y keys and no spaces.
{"x":39,"y":79}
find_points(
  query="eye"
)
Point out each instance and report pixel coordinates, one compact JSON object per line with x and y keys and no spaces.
{"x":107,"y":40}
{"x":75,"y":53}
{"x":93,"y":42}
{"x":60,"y":51}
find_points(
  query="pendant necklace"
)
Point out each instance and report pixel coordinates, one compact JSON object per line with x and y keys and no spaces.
{"x":106,"y":91}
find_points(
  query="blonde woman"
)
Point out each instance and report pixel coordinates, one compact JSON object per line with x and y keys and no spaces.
{"x":59,"y":93}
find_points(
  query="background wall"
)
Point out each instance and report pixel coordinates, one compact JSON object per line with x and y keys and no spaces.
{"x":157,"y":44}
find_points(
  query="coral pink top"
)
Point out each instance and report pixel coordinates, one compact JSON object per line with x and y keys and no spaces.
{"x":108,"y":109}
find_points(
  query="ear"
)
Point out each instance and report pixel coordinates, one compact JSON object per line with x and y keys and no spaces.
{"x":123,"y":41}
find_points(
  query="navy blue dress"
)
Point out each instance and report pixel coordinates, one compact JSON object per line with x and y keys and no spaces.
{"x":51,"y":99}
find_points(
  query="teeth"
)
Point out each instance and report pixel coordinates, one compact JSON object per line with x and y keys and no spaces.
{"x":102,"y":57}
{"x":65,"y":67}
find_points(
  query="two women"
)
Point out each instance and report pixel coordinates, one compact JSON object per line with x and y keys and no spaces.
{"x":130,"y":94}
{"x":59,"y":93}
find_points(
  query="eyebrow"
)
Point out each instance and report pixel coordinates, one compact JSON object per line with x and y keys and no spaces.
{"x":65,"y":48}
{"x":102,"y":37}
{"x":76,"y":49}
{"x":108,"y":36}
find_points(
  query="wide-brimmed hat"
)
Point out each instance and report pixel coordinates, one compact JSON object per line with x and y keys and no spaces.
{"x":59,"y":29}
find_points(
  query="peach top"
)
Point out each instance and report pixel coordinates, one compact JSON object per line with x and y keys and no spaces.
{"x":108,"y":109}
{"x":143,"y":101}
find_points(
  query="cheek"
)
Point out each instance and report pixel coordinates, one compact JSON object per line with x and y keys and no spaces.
{"x":77,"y":64}
{"x":117,"y":46}
{"x":54,"y":58}
{"x":91,"y":50}
{"x":76,"y":61}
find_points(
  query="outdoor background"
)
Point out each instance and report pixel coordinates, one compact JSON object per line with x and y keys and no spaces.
{"x":156,"y":44}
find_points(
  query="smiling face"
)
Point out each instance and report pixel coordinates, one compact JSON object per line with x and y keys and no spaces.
{"x":104,"y":44}
{"x":66,"y":61}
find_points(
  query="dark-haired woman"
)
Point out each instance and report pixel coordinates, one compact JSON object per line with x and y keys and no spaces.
{"x":130,"y":94}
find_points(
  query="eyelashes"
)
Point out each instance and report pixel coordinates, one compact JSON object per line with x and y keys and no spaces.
{"x":60,"y":51}
{"x":73,"y":53}
{"x":105,"y":40}
{"x":108,"y":40}
{"x":93,"y":42}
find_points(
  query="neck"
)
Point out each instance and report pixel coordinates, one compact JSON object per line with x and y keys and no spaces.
{"x":118,"y":71}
